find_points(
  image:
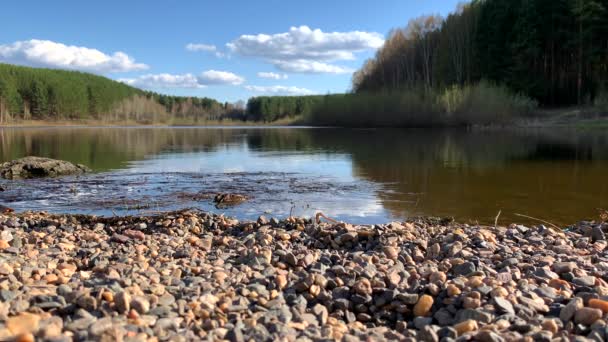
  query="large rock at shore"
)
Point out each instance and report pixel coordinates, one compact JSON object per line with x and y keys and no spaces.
{"x":37,"y":167}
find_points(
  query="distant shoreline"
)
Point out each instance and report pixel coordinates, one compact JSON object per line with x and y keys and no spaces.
{"x":571,"y":117}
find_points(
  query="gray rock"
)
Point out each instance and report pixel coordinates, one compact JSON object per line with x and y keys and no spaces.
{"x":474,"y":314}
{"x":464,"y":269}
{"x":100,"y":326}
{"x":597,"y":234}
{"x":568,"y":311}
{"x":37,"y":167}
{"x":503,"y":305}
{"x":421,"y":322}
{"x":427,"y":334}
{"x":122,"y":301}
{"x":140,"y":304}
{"x":584,"y":281}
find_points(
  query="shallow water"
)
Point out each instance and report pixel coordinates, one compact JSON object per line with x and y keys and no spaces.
{"x":357,"y":175}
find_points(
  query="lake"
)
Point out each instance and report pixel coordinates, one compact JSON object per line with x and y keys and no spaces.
{"x":362,"y":176}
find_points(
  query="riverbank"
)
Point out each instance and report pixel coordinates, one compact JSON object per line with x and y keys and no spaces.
{"x":174,"y":123}
{"x":202,"y":276}
{"x":572,"y":117}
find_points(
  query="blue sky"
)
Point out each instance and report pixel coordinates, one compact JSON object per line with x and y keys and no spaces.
{"x":276,"y":47}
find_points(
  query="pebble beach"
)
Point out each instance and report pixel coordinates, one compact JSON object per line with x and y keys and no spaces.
{"x":191,"y":275}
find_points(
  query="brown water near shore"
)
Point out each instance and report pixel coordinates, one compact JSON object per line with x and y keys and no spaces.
{"x":356,"y":175}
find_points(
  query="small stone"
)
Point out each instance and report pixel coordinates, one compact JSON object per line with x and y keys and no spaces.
{"x":122,"y":302}
{"x":585,"y":281}
{"x":471,"y":303}
{"x":503,"y":305}
{"x":550,"y":325}
{"x":599,"y":304}
{"x":363,"y":287}
{"x":420,"y":322}
{"x":28,"y":337}
{"x":427,"y":334}
{"x":321,"y":313}
{"x":135,"y":234}
{"x":262,"y":220}
{"x":100,"y":326}
{"x":281,"y":281}
{"x":24,"y":323}
{"x":6,"y":269}
{"x":564,"y":267}
{"x":464,"y":269}
{"x":391,"y":252}
{"x":4,"y":245}
{"x":597,"y":234}
{"x":120,"y":238}
{"x":423,"y":307}
{"x":438,"y":277}
{"x":5,"y":235}
{"x":453,"y":290}
{"x":499,"y":292}
{"x":568,"y":311}
{"x":587,"y":316}
{"x":140,"y":304}
{"x":465,"y":327}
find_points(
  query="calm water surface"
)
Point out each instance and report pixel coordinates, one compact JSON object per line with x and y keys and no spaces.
{"x":357,"y":175}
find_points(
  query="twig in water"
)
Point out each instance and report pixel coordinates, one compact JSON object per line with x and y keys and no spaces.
{"x":293,"y":205}
{"x":539,"y":220}
{"x":320,"y":214}
{"x":496,"y":219}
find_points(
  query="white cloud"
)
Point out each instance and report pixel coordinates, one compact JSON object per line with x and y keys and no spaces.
{"x":164,"y":81}
{"x":305,"y":50}
{"x":280,"y":90}
{"x":207,"y":78}
{"x":46,"y":53}
{"x":205,"y":48}
{"x":311,"y":67}
{"x":201,"y":47}
{"x":214,"y":77}
{"x":272,"y":75}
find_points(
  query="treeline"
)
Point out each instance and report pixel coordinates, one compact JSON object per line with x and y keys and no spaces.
{"x":273,"y":108}
{"x":555,"y":51}
{"x":49,"y":94}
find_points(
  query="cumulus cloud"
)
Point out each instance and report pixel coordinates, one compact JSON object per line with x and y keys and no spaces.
{"x":164,"y":81}
{"x":207,"y":78}
{"x":214,"y":77}
{"x":280,"y":90}
{"x":201,"y":47}
{"x":46,"y":53}
{"x":272,"y":75}
{"x":304,"y":50}
{"x":197,"y":47}
{"x":311,"y":67}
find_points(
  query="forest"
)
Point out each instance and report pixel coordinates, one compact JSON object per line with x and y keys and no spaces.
{"x":273,"y":108}
{"x":49,"y":94}
{"x":554,"y":51}
{"x":489,"y":61}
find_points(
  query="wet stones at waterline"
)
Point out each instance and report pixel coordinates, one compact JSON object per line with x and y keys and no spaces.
{"x":191,"y":275}
{"x":229,"y":200}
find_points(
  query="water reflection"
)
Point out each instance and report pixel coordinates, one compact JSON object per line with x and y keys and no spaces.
{"x":391,"y":174}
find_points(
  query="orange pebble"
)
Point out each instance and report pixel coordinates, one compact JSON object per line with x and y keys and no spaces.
{"x":559,"y":284}
{"x":599,"y":304}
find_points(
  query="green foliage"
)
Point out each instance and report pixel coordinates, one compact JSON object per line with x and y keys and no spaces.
{"x":273,"y":108}
{"x":554,"y":51}
{"x":601,"y":103}
{"x":35,"y":93}
{"x":481,"y":104}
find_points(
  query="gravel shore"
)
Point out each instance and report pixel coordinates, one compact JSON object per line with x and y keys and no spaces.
{"x":190,"y":275}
